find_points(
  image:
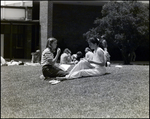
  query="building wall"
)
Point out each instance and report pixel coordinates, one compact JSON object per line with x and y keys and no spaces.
{"x":17,"y":41}
{"x":27,"y":47}
{"x":70,"y":21}
{"x":21,"y":36}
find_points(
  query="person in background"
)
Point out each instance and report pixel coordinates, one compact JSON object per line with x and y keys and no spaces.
{"x":88,"y":53}
{"x":104,"y":46}
{"x":76,"y":57}
{"x":3,"y":62}
{"x":132,"y":56}
{"x":79,"y":55}
{"x":86,"y":67}
{"x":107,"y":59}
{"x":104,"y":43}
{"x":10,"y":63}
{"x":48,"y":61}
{"x":65,"y":57}
{"x":35,"y":57}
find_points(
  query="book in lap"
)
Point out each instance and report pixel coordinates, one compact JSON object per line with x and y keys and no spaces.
{"x":64,"y":67}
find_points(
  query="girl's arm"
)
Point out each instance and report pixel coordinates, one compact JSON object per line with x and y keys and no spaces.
{"x":98,"y":63}
{"x":53,"y":61}
{"x":100,"y":56}
{"x":57,"y":55}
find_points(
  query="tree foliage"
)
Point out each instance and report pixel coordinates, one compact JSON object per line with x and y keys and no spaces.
{"x":126,"y":24}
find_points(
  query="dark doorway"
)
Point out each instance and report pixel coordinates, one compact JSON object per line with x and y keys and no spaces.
{"x":70,"y":22}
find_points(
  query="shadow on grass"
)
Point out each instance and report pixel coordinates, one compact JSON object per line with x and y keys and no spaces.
{"x":107,"y":73}
{"x":64,"y":79}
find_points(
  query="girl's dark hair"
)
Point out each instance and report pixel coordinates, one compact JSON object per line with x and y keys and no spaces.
{"x":79,"y":55}
{"x":49,"y":43}
{"x":94,"y":40}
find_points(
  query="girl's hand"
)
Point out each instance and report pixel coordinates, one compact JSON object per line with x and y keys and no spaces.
{"x":82,"y":59}
{"x":58,"y":50}
{"x":88,"y":60}
{"x":57,"y":55}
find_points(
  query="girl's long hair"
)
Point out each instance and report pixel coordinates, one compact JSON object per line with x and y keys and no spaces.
{"x":49,"y":43}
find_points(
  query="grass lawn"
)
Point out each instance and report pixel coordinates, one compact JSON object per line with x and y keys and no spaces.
{"x":121,"y":93}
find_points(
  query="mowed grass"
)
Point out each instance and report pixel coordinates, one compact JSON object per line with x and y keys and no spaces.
{"x":121,"y":93}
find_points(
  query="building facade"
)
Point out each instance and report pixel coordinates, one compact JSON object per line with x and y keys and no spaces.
{"x":65,"y":20}
{"x":20,"y":30}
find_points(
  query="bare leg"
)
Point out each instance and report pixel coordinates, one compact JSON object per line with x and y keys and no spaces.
{"x":61,"y":78}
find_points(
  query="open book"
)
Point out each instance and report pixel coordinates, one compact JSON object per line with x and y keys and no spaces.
{"x":64,"y":67}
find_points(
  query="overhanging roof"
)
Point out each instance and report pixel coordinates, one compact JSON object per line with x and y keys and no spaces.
{"x":96,"y":3}
{"x":20,"y":22}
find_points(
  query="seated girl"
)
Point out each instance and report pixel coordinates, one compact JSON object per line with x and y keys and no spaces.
{"x":88,"y":53}
{"x":87,"y":67}
{"x":65,"y":57}
{"x":49,"y":62}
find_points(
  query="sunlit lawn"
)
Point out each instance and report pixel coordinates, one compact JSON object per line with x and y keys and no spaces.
{"x":121,"y":93}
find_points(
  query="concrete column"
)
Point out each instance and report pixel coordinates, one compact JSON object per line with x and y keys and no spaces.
{"x":50,"y":19}
{"x":46,"y":13}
